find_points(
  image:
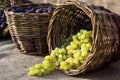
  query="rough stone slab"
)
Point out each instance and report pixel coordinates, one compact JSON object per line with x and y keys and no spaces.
{"x":14,"y":66}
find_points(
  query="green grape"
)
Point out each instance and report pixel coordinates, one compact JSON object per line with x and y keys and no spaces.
{"x":81,"y":31}
{"x":82,"y":61}
{"x":64,"y":57}
{"x":57,"y":63}
{"x":40,"y":74}
{"x":38,"y":66}
{"x":84,"y":53}
{"x":77,"y":54}
{"x":85,"y":32}
{"x":76,"y":42}
{"x":88,"y":45}
{"x":63,"y":63}
{"x":62,"y":51}
{"x":71,"y":61}
{"x":83,"y":45}
{"x":55,"y":51}
{"x":82,"y":36}
{"x":60,"y":56}
{"x":49,"y":58}
{"x":79,"y":34}
{"x":90,"y":33}
{"x":69,"y":47}
{"x":74,"y":37}
{"x":32,"y":69}
{"x":36,"y":71}
{"x":86,"y":40}
{"x":72,"y":43}
{"x":46,"y":64}
{"x":53,"y":54}
{"x":85,"y":49}
{"x":74,"y":46}
{"x":76,"y":61}
{"x":31,"y":73}
{"x":70,"y":52}
{"x":66,"y":68}
{"x":81,"y":58}
{"x":43,"y":71}
{"x":60,"y":60}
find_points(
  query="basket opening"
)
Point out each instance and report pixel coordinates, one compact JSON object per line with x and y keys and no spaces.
{"x":70,"y":20}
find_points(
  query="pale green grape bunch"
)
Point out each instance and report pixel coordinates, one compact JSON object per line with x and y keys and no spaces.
{"x":71,"y":56}
{"x":78,"y":50}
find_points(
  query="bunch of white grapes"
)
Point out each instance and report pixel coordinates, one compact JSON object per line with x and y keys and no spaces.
{"x":66,"y":58}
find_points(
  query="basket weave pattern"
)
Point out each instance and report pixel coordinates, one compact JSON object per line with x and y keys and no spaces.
{"x":29,"y":31}
{"x":73,"y":16}
{"x":4,"y":3}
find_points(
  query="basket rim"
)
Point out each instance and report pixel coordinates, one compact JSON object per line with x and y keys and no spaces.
{"x":21,"y":13}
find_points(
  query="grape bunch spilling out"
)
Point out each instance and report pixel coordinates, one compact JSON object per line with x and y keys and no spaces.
{"x":3,"y":23}
{"x":66,"y":58}
{"x":31,"y":9}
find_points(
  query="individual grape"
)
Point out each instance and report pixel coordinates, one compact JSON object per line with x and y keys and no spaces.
{"x":74,"y":46}
{"x":84,"y":53}
{"x":69,"y":47}
{"x":86,"y":40}
{"x":32,"y":69}
{"x":31,"y":73}
{"x":70,"y":61}
{"x":60,"y":56}
{"x":83,"y":45}
{"x":74,"y":37}
{"x":63,"y":63}
{"x":77,"y":55}
{"x":76,"y":42}
{"x":62,"y":51}
{"x":67,"y":67}
{"x":36,"y":71}
{"x":43,"y":71}
{"x":82,"y":36}
{"x":38,"y":66}
{"x":79,"y":34}
{"x":70,"y":52}
{"x":65,"y":57}
{"x":88,"y":45}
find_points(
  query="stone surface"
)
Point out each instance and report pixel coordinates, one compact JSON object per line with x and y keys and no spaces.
{"x":14,"y":66}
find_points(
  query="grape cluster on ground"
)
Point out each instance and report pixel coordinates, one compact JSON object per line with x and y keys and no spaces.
{"x":67,"y":57}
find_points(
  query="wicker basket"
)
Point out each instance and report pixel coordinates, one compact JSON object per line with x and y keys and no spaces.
{"x":29,"y":30}
{"x":4,"y":4}
{"x":19,"y":2}
{"x":73,"y":16}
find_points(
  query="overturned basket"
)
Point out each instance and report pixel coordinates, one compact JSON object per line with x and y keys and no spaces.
{"x":29,"y":30}
{"x":73,"y":16}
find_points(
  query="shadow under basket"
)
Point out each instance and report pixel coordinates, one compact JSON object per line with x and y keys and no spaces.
{"x":29,"y":30}
{"x":73,"y":16}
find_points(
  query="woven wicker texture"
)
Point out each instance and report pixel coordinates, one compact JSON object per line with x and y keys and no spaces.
{"x":73,"y":16}
{"x":4,"y":4}
{"x":29,"y":31}
{"x":19,"y":2}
